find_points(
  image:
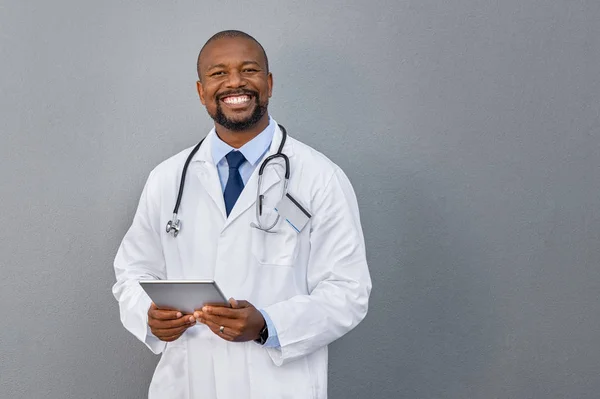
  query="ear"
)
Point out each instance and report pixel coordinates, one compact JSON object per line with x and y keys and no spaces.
{"x":270,"y":83}
{"x":201,"y":92}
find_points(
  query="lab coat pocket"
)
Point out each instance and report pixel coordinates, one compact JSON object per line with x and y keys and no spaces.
{"x":276,"y":247}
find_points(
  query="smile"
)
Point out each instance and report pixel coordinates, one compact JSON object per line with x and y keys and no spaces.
{"x":234,"y":100}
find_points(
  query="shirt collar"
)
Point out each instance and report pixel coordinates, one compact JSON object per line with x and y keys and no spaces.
{"x":252,"y":150}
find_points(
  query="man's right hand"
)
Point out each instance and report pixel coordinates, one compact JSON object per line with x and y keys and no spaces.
{"x":167,"y":324}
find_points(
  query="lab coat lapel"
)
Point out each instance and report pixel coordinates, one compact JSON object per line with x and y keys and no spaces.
{"x":207,"y":173}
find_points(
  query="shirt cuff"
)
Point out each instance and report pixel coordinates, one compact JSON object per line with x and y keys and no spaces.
{"x":272,"y":341}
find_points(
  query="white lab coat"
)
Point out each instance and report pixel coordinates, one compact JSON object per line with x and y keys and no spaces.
{"x":314,"y":285}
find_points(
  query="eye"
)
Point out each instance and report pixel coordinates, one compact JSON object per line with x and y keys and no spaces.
{"x":217,"y":73}
{"x":251,"y":70}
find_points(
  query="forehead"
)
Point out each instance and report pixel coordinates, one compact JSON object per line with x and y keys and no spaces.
{"x":231,"y":51}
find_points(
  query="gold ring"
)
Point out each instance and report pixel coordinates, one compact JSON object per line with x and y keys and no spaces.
{"x":221,"y":329}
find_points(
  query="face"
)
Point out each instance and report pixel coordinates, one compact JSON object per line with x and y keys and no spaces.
{"x":234,"y":85}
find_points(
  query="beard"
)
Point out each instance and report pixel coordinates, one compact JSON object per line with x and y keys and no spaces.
{"x":240,"y":125}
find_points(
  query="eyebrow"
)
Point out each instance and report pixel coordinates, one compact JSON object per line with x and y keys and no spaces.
{"x":216,"y":66}
{"x":225,"y":66}
{"x":250,"y":62}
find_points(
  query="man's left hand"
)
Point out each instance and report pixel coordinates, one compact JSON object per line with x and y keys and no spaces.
{"x":242,"y":322}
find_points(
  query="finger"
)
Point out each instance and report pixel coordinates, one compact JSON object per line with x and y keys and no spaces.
{"x":162,"y":314}
{"x":233,"y":303}
{"x":171,"y":323}
{"x":220,"y":311}
{"x":219,"y":321}
{"x":165,"y":332}
{"x":215,"y":322}
{"x":228,"y":333}
{"x":243,"y":304}
{"x":170,"y":338}
{"x":168,"y":332}
{"x":166,"y":324}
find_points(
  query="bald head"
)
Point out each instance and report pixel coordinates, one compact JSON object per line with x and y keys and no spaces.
{"x":230,"y":34}
{"x":234,"y":84}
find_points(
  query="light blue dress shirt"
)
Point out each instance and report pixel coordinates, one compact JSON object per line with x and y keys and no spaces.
{"x":254,"y":151}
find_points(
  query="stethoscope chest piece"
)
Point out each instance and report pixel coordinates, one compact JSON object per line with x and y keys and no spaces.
{"x":173,"y":226}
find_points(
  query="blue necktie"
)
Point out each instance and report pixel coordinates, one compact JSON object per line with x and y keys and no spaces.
{"x":235,"y":184}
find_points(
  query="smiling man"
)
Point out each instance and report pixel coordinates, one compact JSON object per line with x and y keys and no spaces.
{"x":289,"y":252}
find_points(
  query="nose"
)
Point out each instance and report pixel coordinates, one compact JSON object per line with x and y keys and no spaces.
{"x":235,"y":79}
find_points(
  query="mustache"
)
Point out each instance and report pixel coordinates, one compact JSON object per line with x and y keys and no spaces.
{"x":246,"y":92}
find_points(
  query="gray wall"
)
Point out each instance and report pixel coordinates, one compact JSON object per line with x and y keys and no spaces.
{"x":469,"y":129}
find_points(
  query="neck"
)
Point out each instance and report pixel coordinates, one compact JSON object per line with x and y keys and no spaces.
{"x":237,"y":138}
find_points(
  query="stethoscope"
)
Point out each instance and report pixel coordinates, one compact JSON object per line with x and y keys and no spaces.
{"x":174,"y":225}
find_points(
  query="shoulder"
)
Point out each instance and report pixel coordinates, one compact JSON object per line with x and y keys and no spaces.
{"x":312,"y":161}
{"x":173,"y":163}
{"x":315,"y":177}
{"x":170,"y":169}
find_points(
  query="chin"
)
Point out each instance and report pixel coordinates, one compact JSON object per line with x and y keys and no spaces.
{"x":237,"y":118}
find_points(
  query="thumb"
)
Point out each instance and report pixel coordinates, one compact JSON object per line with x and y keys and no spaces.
{"x":243,"y":304}
{"x":239,"y":304}
{"x":234,"y":304}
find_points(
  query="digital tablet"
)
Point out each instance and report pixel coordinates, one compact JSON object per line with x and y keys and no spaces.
{"x":184,"y":295}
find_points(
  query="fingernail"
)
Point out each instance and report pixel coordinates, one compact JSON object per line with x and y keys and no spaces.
{"x":205,"y":309}
{"x":192,"y":319}
{"x":196,"y":314}
{"x":179,"y":314}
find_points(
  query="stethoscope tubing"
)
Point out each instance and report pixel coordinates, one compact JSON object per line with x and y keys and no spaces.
{"x":183,"y":174}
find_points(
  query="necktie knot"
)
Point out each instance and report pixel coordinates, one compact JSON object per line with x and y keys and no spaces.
{"x":235,"y":159}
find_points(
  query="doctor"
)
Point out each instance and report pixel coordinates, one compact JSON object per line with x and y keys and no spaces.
{"x":297,"y":287}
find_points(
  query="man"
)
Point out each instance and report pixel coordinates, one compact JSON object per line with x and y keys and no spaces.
{"x":297,"y":287}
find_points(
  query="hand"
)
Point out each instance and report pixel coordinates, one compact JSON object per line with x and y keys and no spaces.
{"x":242,"y":322}
{"x":168,"y":324}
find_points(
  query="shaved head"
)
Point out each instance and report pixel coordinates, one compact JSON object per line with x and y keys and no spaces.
{"x":229,"y":34}
{"x":234,"y":83}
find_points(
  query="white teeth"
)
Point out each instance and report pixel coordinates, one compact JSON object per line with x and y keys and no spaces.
{"x":236,"y":100}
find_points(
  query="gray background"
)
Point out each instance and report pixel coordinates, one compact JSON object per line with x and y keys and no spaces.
{"x":469,"y":129}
